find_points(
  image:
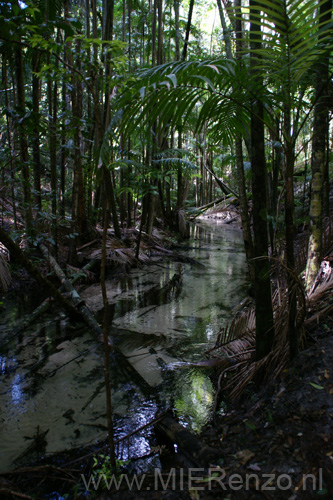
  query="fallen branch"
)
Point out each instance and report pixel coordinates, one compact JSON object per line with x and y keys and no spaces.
{"x":76,"y":299}
{"x":224,"y":188}
{"x":21,"y":258}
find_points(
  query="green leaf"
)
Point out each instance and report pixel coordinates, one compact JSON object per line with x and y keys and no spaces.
{"x":316,"y":386}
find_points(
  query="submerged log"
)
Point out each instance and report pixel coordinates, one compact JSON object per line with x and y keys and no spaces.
{"x":221,"y":363}
{"x":76,"y":299}
{"x":198,"y":452}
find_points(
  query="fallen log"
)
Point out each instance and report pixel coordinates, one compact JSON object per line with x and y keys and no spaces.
{"x":82,"y":272}
{"x":197,"y":452}
{"x":44,"y":306}
{"x":20,"y":257}
{"x":76,"y":299}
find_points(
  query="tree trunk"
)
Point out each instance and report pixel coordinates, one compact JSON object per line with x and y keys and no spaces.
{"x":108,"y":14}
{"x":78,"y":206}
{"x":64,"y":151}
{"x":153,"y":33}
{"x":177,"y":31}
{"x":52,"y":104}
{"x":262,"y":287}
{"x":180,"y":177}
{"x":10,"y":142}
{"x":188,"y":29}
{"x":289,"y":232}
{"x":160,"y":32}
{"x":318,"y":159}
{"x":226,"y":33}
{"x":36,"y":121}
{"x":247,"y":236}
{"x":24,"y":156}
{"x":244,"y":209}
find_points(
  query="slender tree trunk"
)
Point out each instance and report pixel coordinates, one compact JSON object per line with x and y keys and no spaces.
{"x":89,"y":145}
{"x":177,"y":30}
{"x":274,"y":181}
{"x":108,"y":14}
{"x":226,"y":32}
{"x":262,"y":287}
{"x":289,"y":236}
{"x":36,"y":141}
{"x":78,"y":207}
{"x":318,"y":160}
{"x":153,"y":33}
{"x":64,"y":151}
{"x":52,"y":104}
{"x":247,"y":236}
{"x":188,"y":29}
{"x":160,"y":32}
{"x":129,"y":10}
{"x":180,"y":177}
{"x":129,"y":194}
{"x":4,"y":77}
{"x":326,"y":179}
{"x":246,"y":228}
{"x":78,"y":199}
{"x":102,"y":124}
{"x":24,"y":156}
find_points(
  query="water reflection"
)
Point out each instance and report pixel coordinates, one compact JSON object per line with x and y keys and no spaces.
{"x":194,"y":398}
{"x":52,"y":374}
{"x":16,"y":390}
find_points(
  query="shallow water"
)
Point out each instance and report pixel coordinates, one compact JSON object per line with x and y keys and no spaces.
{"x":52,"y":378}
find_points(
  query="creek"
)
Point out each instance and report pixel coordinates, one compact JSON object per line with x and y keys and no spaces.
{"x":52,"y":378}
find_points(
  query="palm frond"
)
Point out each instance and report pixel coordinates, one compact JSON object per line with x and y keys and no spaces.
{"x":238,"y":341}
{"x":169,"y":96}
{"x":175,"y":161}
{"x":290,"y":38}
{"x":5,"y":274}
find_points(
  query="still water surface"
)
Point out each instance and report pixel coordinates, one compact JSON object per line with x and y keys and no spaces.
{"x":52,"y":374}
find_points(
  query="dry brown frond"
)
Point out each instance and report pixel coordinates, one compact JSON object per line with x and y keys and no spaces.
{"x":318,"y":304}
{"x":323,"y":287}
{"x":239,"y":326}
{"x":5,"y":275}
{"x":238,"y":341}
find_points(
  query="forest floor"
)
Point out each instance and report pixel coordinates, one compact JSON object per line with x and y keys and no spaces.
{"x":274,"y":444}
